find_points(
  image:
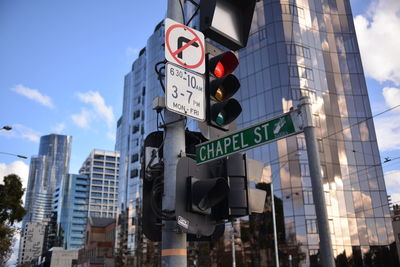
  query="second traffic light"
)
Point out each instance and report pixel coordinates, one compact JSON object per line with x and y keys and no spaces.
{"x":221,"y":84}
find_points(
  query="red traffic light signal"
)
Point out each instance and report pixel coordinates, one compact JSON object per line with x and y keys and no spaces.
{"x":222,"y":108}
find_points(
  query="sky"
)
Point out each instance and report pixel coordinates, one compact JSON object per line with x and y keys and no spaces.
{"x":62,"y":67}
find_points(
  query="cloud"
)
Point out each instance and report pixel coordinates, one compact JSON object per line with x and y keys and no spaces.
{"x":82,"y":119}
{"x":392,"y":180}
{"x":388,"y":132}
{"x":33,"y":94}
{"x":22,"y":132}
{"x":97,"y":111}
{"x":22,"y":170}
{"x":18,"y":167}
{"x":392,"y":96}
{"x":378,"y":34}
{"x":59,"y":128}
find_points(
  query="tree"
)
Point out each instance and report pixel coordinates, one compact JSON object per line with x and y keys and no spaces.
{"x":11,"y":211}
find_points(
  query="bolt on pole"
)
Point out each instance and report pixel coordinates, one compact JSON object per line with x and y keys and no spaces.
{"x":173,"y":242}
{"x":325,"y":243}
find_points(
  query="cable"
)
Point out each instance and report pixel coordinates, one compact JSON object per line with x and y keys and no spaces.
{"x":183,"y":13}
{"x":160,"y":75}
{"x":194,"y":14}
{"x":357,"y":123}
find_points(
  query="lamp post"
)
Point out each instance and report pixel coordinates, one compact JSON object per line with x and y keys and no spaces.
{"x":16,"y":155}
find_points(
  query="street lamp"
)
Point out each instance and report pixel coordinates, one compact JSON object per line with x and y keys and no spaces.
{"x":19,"y":156}
{"x":7,"y":128}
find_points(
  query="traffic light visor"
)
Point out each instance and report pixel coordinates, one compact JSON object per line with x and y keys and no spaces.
{"x":224,"y":64}
{"x":225,"y":112}
{"x":224,"y":88}
{"x":206,"y":193}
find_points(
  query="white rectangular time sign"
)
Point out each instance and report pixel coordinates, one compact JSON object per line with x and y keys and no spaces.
{"x":185,"y":92}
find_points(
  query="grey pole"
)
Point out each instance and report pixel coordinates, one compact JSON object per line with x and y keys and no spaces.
{"x":274,"y":225}
{"x":173,"y":244}
{"x":233,"y":245}
{"x":314,"y":163}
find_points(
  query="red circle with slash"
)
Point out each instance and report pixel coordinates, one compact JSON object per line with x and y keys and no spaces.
{"x":188,"y":44}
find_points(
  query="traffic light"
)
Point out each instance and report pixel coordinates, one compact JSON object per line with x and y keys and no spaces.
{"x":221,"y":86}
{"x":227,"y":22}
{"x":152,"y":173}
{"x":209,"y":194}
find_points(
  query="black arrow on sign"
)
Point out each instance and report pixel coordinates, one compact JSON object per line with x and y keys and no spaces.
{"x":181,"y":41}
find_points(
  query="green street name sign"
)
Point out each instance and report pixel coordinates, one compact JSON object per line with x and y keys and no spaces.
{"x":250,"y":137}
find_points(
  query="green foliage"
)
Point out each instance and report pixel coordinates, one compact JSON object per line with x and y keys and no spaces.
{"x":11,"y":211}
{"x":11,"y":192}
{"x":6,"y":241}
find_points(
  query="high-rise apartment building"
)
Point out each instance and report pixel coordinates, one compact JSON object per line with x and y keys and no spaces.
{"x":296,"y":48}
{"x":102,"y":169}
{"x":74,"y":211}
{"x":45,"y":174}
{"x":47,"y":170}
{"x":130,"y":136}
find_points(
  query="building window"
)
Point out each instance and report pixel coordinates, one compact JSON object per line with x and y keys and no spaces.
{"x":308,"y":197}
{"x":313,"y":253}
{"x":320,"y":145}
{"x":262,"y":34}
{"x":97,"y":188}
{"x":134,"y":173}
{"x":331,"y":227}
{"x":110,"y":158}
{"x":301,"y":72}
{"x":317,"y":121}
{"x":293,"y":10}
{"x":298,"y":50}
{"x":312,"y":226}
{"x":136,"y":114}
{"x":304,"y":169}
{"x":301,"y":143}
{"x":134,"y":158}
{"x":135,"y":129}
{"x":328,"y":198}
{"x":324,"y":172}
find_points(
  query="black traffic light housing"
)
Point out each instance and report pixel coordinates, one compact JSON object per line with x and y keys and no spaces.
{"x":227,"y":22}
{"x":151,"y":170}
{"x":209,"y":194}
{"x":221,"y":85}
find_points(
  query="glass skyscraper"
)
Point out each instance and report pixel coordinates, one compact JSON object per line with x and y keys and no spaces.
{"x":74,"y":197}
{"x":296,"y":48}
{"x":46,"y":172}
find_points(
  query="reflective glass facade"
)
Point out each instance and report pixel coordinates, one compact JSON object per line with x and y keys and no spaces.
{"x":308,"y":47}
{"x":129,"y":142}
{"x":46,"y":172}
{"x":74,"y":210}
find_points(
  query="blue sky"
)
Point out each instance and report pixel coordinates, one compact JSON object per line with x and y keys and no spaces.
{"x":62,"y":65}
{"x":75,"y":55}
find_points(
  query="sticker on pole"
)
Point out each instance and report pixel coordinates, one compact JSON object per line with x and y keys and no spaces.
{"x":184,"y":46}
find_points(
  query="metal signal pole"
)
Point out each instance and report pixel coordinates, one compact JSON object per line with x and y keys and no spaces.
{"x":173,"y":244}
{"x":314,"y":163}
